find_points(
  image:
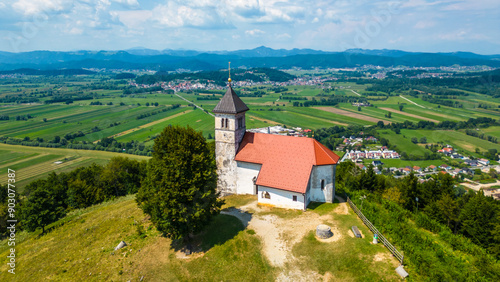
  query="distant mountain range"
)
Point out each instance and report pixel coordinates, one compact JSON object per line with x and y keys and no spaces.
{"x":169,"y":60}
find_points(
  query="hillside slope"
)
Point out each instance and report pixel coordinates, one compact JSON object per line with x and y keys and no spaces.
{"x":81,"y":247}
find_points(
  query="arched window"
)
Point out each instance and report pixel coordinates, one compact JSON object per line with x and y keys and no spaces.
{"x":322,"y":184}
{"x":266,"y":195}
{"x":221,"y":123}
{"x":227,"y":123}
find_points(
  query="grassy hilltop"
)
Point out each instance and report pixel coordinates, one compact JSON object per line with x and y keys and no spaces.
{"x":81,"y":247}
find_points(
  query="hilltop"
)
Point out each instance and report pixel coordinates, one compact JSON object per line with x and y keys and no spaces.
{"x":276,"y":245}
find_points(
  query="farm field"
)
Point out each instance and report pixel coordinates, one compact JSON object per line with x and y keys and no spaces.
{"x":403,"y":142}
{"x":128,"y":118}
{"x":455,"y":138}
{"x":31,"y":163}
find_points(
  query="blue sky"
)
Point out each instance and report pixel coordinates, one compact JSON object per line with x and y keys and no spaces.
{"x":411,"y":25}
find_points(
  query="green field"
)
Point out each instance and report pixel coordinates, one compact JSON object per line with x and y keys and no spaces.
{"x":403,"y":142}
{"x":455,"y":138}
{"x":121,"y":121}
{"x":32,"y":163}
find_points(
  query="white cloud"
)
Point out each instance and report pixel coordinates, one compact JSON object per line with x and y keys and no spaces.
{"x":194,"y":15}
{"x":130,"y":3}
{"x":425,"y":24}
{"x":283,"y":35}
{"x":32,"y":7}
{"x":254,"y":32}
{"x":133,"y":19}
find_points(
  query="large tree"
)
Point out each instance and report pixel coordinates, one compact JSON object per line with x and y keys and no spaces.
{"x":179,"y":191}
{"x":44,"y":204}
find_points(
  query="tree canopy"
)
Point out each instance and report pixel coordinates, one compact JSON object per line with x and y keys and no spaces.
{"x":179,"y":191}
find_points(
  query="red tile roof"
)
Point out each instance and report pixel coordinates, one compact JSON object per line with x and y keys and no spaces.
{"x":286,"y":161}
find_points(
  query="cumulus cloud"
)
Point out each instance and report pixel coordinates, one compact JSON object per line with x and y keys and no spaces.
{"x":133,"y":19}
{"x":254,"y":32}
{"x":32,"y":7}
{"x":189,"y":14}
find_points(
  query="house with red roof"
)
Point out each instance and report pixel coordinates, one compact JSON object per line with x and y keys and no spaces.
{"x":283,"y":171}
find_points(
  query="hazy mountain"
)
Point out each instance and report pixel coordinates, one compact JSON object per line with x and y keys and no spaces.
{"x":143,"y":58}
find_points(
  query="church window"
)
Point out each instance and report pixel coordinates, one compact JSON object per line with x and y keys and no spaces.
{"x":294,"y":198}
{"x":222,"y":123}
{"x":322,"y":184}
{"x":240,"y":122}
{"x":227,"y":123}
{"x":267,"y":196}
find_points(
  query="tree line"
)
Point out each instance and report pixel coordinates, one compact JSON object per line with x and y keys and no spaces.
{"x":468,"y":221}
{"x":44,"y":201}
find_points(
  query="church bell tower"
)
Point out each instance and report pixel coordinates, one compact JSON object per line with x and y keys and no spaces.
{"x":229,"y":131}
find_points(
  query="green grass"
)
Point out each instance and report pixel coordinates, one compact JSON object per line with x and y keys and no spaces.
{"x":456,"y":138}
{"x":88,"y":238}
{"x":403,"y":142}
{"x":354,"y":261}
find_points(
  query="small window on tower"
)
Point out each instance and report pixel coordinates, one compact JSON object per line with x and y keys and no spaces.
{"x":227,"y":123}
{"x":221,"y":123}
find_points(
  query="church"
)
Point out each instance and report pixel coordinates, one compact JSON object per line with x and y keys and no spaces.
{"x":283,"y":171}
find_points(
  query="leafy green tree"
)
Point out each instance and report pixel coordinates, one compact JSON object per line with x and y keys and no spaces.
{"x":401,"y":108}
{"x":42,"y":207}
{"x":368,"y":179}
{"x":409,"y":191}
{"x":179,"y":192}
{"x":478,"y":219}
{"x":121,"y":176}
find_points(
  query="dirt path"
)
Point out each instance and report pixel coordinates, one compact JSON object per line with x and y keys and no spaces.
{"x":351,"y":114}
{"x":146,"y":125}
{"x":410,"y":115}
{"x":355,"y":92}
{"x":412,"y":102}
{"x":278,"y":234}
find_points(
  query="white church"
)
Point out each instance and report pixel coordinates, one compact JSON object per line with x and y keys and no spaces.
{"x":283,"y":171}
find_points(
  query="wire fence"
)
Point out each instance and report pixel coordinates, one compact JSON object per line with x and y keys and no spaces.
{"x":381,"y":237}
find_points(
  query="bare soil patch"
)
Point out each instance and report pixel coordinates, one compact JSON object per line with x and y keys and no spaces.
{"x":410,"y":115}
{"x":352,"y":115}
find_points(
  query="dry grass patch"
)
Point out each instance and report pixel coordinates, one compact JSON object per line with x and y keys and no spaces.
{"x":351,"y":114}
{"x":409,"y":115}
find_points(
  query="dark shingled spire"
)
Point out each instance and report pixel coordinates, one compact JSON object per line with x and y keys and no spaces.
{"x":230,"y":104}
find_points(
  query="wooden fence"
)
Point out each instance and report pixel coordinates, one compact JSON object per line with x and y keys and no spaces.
{"x":381,"y":237}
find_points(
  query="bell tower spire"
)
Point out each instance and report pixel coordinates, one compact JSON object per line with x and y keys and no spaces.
{"x":229,"y":131}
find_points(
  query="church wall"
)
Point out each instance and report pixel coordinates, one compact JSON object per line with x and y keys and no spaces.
{"x":280,"y":198}
{"x":245,"y":173}
{"x":326,"y":173}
